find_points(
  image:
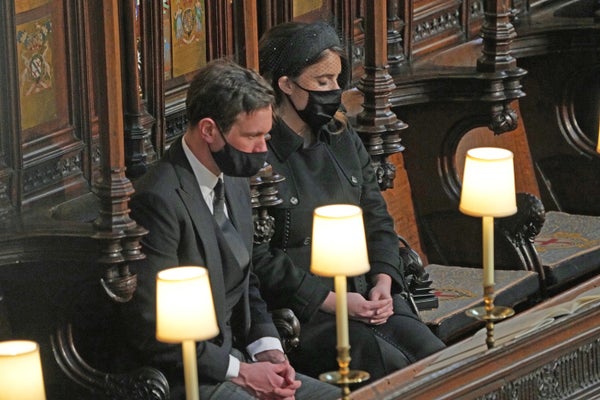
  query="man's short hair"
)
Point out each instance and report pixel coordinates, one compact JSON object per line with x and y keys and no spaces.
{"x":222,"y":90}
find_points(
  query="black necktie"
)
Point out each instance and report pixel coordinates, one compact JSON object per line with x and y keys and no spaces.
{"x":219,"y":204}
{"x":232,"y":237}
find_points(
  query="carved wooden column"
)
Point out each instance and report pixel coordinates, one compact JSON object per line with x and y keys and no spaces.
{"x":117,"y":235}
{"x":116,"y":232}
{"x":500,"y":67}
{"x":377,"y":124}
{"x":395,"y":26}
{"x":138,"y":122}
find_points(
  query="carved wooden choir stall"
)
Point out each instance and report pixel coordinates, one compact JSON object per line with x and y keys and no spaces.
{"x":94,"y":92}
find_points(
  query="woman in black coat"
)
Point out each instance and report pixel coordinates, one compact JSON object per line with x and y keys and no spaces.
{"x":325,"y":162}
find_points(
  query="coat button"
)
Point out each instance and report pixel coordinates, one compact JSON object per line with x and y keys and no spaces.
{"x":307,"y":241}
{"x":294,"y":200}
{"x":354,"y":180}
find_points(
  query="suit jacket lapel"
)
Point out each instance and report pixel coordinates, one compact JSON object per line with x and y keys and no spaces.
{"x":202,"y":219}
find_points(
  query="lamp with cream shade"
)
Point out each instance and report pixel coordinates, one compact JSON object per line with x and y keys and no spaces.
{"x":488,"y":191}
{"x":339,"y":250}
{"x":185,"y":313}
{"x":21,"y":374}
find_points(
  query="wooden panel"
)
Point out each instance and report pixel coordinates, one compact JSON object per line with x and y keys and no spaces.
{"x":51,"y":149}
{"x":436,"y":24}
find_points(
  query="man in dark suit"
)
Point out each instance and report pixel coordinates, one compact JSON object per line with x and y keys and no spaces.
{"x":229,"y":110}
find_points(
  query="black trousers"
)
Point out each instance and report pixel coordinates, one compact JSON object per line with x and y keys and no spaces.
{"x":379,"y":350}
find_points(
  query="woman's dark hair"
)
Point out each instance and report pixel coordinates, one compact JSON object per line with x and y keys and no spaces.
{"x":222,"y":90}
{"x":288,"y":48}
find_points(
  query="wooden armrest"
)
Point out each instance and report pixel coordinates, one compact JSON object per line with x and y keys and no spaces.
{"x":288,"y":326}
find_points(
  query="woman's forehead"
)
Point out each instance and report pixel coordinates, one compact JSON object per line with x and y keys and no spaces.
{"x":329,"y":65}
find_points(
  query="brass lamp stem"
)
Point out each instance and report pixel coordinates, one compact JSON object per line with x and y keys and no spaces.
{"x":343,"y":360}
{"x":488,"y":304}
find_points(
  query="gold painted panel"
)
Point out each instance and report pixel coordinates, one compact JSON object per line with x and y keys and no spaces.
{"x":187,"y":42}
{"x":37,"y":93}
{"x":302,"y":7}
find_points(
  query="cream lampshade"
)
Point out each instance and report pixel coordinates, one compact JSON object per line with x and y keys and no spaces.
{"x":185,"y":309}
{"x":185,"y":313}
{"x":338,"y":243}
{"x":488,"y":186}
{"x":21,"y":371}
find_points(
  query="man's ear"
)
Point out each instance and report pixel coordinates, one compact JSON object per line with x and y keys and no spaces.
{"x":285,"y":84}
{"x":208,"y":129}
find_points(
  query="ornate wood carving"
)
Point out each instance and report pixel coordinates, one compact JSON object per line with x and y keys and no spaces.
{"x":566,"y":377}
{"x":436,"y":24}
{"x":264,"y":194}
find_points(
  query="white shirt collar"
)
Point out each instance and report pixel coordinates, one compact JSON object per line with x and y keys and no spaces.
{"x":206,"y":179}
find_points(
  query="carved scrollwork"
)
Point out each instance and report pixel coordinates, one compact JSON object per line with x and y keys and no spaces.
{"x":140,"y":384}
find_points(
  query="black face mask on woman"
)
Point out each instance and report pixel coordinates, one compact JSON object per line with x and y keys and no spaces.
{"x":320,"y":108}
{"x":234,"y":162}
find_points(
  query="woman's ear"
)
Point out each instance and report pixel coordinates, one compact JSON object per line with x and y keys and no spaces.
{"x":285,"y":84}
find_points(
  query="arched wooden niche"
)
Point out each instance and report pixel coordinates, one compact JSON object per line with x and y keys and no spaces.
{"x":473,"y":132}
{"x":578,"y":112}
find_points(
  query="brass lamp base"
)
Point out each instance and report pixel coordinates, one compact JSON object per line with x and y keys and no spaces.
{"x":336,"y":378}
{"x":344,"y":377}
{"x":490,"y":313}
{"x":498,"y":313}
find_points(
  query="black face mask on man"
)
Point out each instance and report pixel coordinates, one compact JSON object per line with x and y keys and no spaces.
{"x":234,"y":162}
{"x":320,"y":108}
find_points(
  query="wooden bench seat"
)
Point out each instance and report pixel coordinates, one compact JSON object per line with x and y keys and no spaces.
{"x":569,"y":247}
{"x":459,"y":289}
